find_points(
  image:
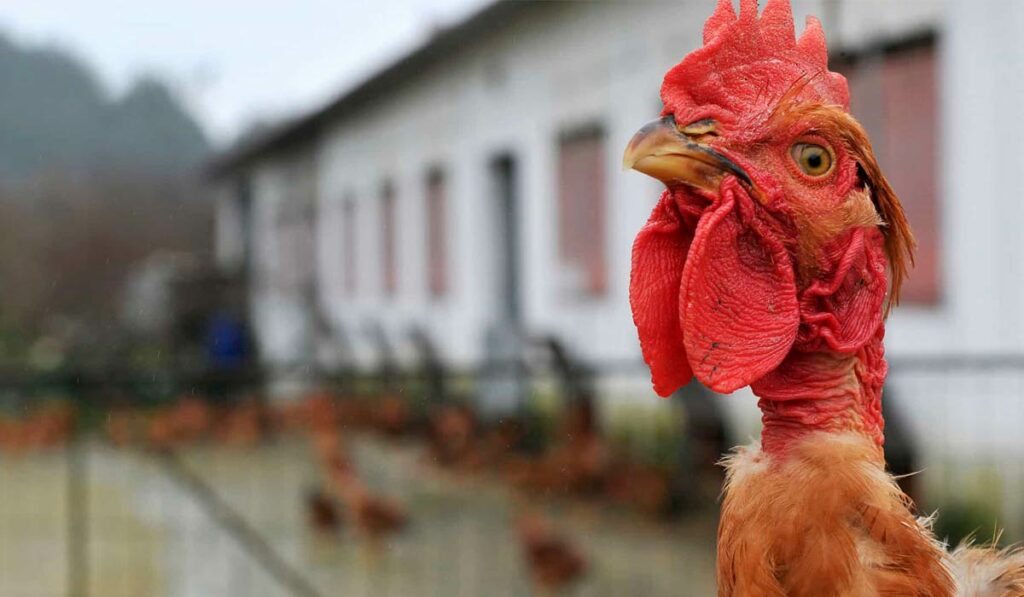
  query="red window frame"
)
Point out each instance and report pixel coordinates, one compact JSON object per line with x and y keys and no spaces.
{"x":389,"y":238}
{"x":437,"y":233}
{"x":582,"y":208}
{"x":350,"y":247}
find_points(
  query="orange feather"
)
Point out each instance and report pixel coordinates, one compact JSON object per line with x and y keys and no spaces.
{"x":825,"y":520}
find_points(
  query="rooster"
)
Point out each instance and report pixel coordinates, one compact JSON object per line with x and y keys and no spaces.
{"x":771,"y":261}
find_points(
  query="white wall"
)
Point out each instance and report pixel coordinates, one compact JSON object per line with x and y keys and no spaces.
{"x":582,"y":63}
{"x":279,"y":309}
{"x":587,"y":62}
{"x":983,"y":277}
{"x":603,"y":61}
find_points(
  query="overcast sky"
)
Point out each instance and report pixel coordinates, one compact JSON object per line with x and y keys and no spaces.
{"x":234,"y":61}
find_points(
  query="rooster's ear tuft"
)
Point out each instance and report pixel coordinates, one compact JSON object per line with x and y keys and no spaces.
{"x":899,"y":239}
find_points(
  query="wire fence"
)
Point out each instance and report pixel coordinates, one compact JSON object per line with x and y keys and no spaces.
{"x":85,"y":509}
{"x":84,"y":512}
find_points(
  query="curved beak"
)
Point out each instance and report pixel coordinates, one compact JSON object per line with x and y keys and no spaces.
{"x":660,"y":150}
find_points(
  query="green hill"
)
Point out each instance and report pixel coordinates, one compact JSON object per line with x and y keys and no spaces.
{"x":56,"y":116}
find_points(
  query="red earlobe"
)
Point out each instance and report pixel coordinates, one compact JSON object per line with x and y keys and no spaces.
{"x":659,"y":254}
{"x":844,"y":309}
{"x":740,"y":310}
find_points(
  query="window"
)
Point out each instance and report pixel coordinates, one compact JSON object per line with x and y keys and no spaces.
{"x":350,"y":246}
{"x":895,"y":96}
{"x":581,"y":212}
{"x":292,"y":266}
{"x":437,"y":231}
{"x":388,"y":237}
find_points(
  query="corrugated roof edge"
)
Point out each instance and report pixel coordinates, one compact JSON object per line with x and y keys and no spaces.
{"x":305,"y":128}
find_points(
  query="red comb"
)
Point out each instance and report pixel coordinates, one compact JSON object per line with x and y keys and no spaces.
{"x":750,"y":59}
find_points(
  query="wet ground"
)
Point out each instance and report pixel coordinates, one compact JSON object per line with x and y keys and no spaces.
{"x":148,"y":534}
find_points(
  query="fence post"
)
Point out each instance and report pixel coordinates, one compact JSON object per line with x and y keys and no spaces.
{"x":77,"y":513}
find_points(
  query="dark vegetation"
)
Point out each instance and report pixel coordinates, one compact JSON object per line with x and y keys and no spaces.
{"x":90,"y":186}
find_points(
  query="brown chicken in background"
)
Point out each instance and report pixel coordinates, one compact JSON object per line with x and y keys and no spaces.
{"x":578,"y":460}
{"x":452,"y":435}
{"x":555,"y":563}
{"x":456,"y":438}
{"x":244,"y":424}
{"x":161,"y":431}
{"x":188,"y":420}
{"x":192,"y":419}
{"x":497,"y":444}
{"x":646,"y":487}
{"x":322,"y":512}
{"x":44,"y":428}
{"x":375,"y":517}
{"x":392,"y":416}
{"x":124,"y":426}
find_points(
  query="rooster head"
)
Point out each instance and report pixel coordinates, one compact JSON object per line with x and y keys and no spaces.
{"x":777,"y":230}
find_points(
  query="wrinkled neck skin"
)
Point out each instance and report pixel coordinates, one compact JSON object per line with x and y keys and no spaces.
{"x":823,"y":391}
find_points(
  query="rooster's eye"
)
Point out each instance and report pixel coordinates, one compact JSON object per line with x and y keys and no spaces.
{"x":814,"y":160}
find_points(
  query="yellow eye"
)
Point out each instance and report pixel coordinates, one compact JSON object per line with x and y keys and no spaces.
{"x":814,"y":160}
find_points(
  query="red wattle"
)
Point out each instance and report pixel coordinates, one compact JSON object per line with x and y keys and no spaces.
{"x":739,"y":307}
{"x":659,"y":254}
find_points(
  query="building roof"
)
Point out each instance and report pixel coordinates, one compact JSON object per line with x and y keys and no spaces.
{"x":441,"y":46}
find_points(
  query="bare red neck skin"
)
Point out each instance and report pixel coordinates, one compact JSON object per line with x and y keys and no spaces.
{"x":823,"y":391}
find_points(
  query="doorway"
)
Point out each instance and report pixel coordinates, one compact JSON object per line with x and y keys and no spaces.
{"x":504,"y":177}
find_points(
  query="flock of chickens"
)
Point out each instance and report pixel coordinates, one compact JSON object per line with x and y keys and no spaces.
{"x":46,"y":427}
{"x":454,"y":439}
{"x":578,"y":462}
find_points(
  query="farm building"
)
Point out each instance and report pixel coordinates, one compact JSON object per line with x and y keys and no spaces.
{"x":470,"y":198}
